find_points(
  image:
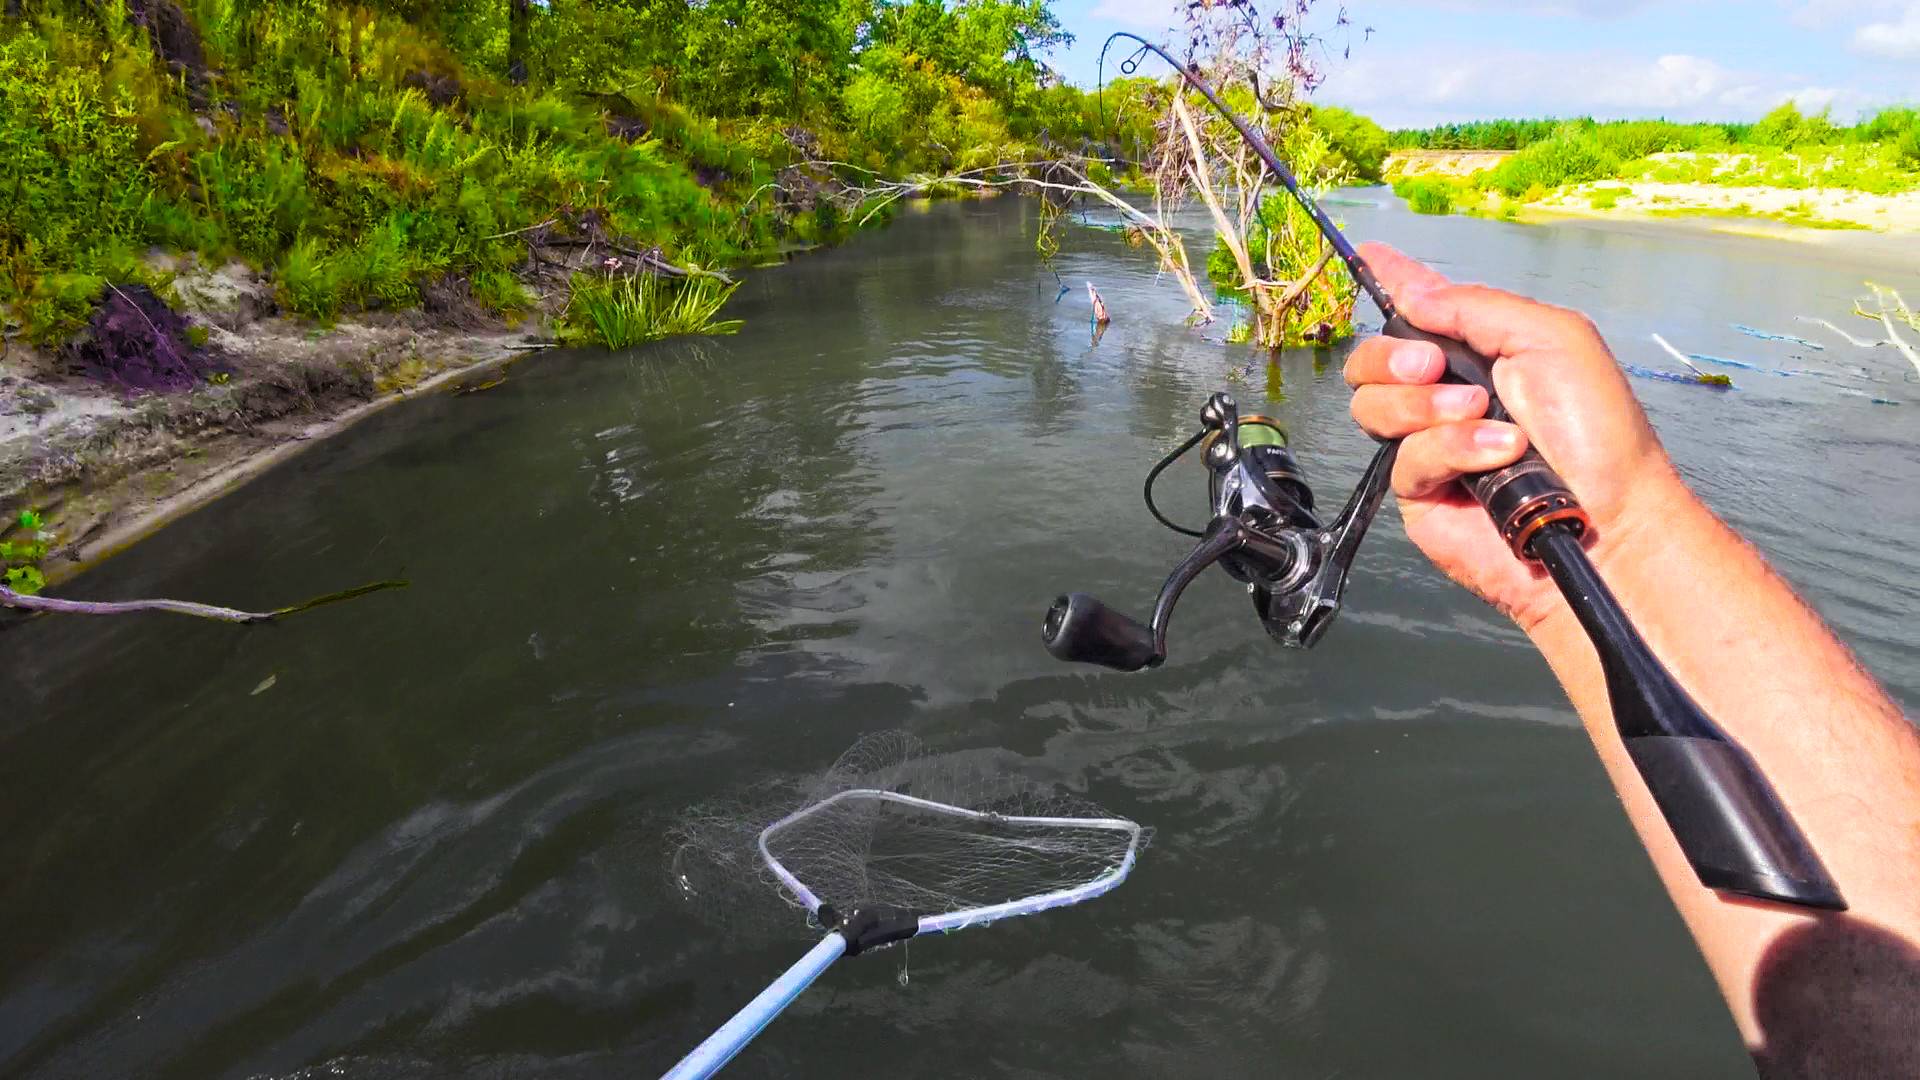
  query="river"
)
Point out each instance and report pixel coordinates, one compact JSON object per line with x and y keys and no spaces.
{"x":421,"y":834}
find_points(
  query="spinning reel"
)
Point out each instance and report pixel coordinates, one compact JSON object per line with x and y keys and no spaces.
{"x":1264,"y":533}
{"x":1728,"y":820}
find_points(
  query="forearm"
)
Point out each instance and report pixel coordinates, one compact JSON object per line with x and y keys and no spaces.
{"x":1839,"y":753}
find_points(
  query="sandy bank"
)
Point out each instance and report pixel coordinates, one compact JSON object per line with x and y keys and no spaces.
{"x":1456,"y":163}
{"x":107,"y":468}
{"x":1806,"y":208}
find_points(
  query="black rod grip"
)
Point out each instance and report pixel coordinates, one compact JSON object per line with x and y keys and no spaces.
{"x":1730,"y":823}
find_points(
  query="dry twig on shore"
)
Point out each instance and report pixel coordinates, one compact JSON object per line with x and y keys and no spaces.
{"x":51,"y":605}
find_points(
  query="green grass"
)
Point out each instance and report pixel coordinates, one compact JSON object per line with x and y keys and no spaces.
{"x":356,"y":153}
{"x":625,"y":312}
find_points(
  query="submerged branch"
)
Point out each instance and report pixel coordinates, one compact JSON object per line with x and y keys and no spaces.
{"x":1858,"y":343}
{"x":9,"y":598}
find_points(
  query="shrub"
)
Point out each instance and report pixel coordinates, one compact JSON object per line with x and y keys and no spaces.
{"x":1564,"y":159}
{"x":1426,"y":194}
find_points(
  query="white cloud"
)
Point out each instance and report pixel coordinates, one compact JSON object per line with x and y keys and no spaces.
{"x":1409,"y":88}
{"x":1825,"y":14}
{"x":1579,"y":9}
{"x":1894,"y":39}
{"x":1145,"y":14}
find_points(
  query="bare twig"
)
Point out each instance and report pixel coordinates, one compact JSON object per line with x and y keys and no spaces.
{"x":9,"y":598}
{"x":517,"y":232}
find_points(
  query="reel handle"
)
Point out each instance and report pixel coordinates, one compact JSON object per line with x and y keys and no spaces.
{"x":1079,"y":628}
{"x":1523,"y":497}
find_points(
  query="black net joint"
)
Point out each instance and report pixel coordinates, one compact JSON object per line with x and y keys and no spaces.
{"x":873,"y":926}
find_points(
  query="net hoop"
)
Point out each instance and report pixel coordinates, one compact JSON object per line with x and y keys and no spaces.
{"x":978,"y":915}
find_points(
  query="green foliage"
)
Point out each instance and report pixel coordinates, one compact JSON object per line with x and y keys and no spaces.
{"x":1285,"y":246}
{"x":624,"y":312}
{"x":1605,"y":198}
{"x":356,"y":152}
{"x":20,"y":558}
{"x":1568,"y":158}
{"x":1359,"y":144}
{"x":1786,"y":127}
{"x":1426,"y":194}
{"x":1631,"y":139}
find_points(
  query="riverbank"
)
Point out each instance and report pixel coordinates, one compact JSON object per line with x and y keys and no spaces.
{"x":104,"y":468}
{"x":224,"y":231}
{"x":1648,"y":191}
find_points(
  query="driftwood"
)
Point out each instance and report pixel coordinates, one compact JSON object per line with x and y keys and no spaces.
{"x":1699,"y":376}
{"x":650,"y":260}
{"x":9,"y":598}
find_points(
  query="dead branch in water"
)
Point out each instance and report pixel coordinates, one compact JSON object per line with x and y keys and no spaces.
{"x":9,"y":598}
{"x":1152,"y":229}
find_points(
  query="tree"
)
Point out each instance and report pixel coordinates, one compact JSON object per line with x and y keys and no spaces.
{"x":1357,"y":142}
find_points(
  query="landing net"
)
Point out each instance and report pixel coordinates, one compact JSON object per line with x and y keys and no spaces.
{"x":956,"y":839}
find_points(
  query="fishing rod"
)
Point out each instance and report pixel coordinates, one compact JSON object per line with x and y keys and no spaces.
{"x":1265,"y":533}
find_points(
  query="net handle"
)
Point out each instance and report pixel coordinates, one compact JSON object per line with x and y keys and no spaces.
{"x":974,"y":916}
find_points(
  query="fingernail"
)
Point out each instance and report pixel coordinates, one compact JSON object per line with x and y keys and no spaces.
{"x":1495,"y":436}
{"x":1454,"y":400}
{"x":1410,"y":362}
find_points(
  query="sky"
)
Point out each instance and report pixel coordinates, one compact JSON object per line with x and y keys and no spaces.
{"x":1426,"y":62}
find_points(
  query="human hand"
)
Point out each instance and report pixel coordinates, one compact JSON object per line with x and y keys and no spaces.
{"x":1556,"y":377}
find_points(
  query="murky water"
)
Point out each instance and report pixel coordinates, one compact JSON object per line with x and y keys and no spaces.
{"x":432,"y":846}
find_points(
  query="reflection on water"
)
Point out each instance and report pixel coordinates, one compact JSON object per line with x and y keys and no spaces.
{"x":434,"y":845}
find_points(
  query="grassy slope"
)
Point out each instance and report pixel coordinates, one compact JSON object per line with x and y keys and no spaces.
{"x":359,"y":154}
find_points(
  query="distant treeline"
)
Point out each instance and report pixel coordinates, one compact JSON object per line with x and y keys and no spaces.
{"x":1784,"y":128}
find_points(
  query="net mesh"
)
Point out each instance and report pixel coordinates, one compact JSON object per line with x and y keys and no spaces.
{"x":850,"y":846}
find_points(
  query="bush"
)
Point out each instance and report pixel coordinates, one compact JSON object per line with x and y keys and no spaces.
{"x":1426,"y":195}
{"x":1564,"y":159}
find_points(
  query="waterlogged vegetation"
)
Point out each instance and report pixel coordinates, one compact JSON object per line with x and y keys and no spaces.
{"x":1786,"y":149}
{"x":361,"y":156}
{"x":1282,"y":245}
{"x":628,"y":311}
{"x":1425,"y":194}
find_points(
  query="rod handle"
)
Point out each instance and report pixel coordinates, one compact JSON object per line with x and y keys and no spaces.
{"x":1730,"y":823}
{"x":1524,"y":497}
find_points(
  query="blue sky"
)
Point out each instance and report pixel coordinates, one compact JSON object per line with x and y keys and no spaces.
{"x":1432,"y":61}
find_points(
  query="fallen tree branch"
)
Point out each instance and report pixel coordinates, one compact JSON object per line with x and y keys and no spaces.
{"x":1166,"y":243}
{"x":651,"y":259}
{"x":1899,"y":342}
{"x":1858,"y":343}
{"x":9,"y":598}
